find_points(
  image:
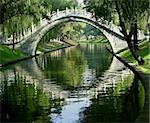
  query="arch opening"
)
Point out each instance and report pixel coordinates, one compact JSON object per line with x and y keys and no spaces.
{"x":101,"y":28}
{"x":86,"y":32}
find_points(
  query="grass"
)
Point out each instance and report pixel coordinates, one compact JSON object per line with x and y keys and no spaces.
{"x":144,"y":51}
{"x":48,"y":46}
{"x":100,"y":40}
{"x":7,"y":54}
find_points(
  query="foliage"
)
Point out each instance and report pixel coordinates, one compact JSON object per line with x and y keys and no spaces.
{"x":62,"y":4}
{"x":131,"y":10}
{"x":98,"y":39}
{"x":131,"y":15}
{"x":70,"y":31}
{"x":17,"y":16}
{"x":100,"y":8}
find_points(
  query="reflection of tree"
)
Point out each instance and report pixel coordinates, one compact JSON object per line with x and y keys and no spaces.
{"x":67,"y":70}
{"x":24,"y":102}
{"x":97,"y":56}
{"x":114,"y":107}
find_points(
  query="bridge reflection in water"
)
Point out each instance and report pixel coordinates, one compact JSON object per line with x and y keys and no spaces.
{"x":77,"y":84}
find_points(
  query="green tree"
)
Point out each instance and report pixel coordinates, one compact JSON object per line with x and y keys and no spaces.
{"x":130,"y":14}
{"x":63,"y":4}
{"x":17,"y":16}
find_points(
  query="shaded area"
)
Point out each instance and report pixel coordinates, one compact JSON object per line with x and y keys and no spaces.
{"x":23,"y":101}
{"x":116,"y":108}
{"x":144,"y":53}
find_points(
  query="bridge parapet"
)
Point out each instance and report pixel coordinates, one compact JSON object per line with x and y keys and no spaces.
{"x":83,"y":13}
{"x":68,"y":12}
{"x":30,"y":43}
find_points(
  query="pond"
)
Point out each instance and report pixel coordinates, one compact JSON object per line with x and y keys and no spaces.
{"x":79,"y":84}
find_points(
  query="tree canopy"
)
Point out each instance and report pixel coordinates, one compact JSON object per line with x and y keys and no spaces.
{"x":17,"y":16}
{"x":131,"y":14}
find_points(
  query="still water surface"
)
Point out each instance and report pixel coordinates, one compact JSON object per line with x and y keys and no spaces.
{"x":82,"y":84}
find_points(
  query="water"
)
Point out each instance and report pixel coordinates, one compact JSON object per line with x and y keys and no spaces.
{"x":81,"y":84}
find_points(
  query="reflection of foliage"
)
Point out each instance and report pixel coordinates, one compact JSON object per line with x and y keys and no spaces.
{"x":24,"y":102}
{"x":74,"y":31}
{"x":97,"y":56}
{"x":74,"y":68}
{"x":141,"y":95}
{"x":122,"y":86}
{"x":67,"y":70}
{"x":115,"y":108}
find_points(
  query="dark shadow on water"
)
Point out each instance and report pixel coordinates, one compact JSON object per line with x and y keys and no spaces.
{"x":115,"y":108}
{"x":23,"y":101}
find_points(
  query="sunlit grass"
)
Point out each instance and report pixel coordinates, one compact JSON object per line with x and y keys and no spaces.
{"x":7,"y":54}
{"x":144,"y":51}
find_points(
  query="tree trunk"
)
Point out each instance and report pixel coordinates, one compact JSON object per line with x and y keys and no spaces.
{"x":87,"y":37}
{"x":135,"y":37}
{"x":13,"y":41}
{"x":128,"y":37}
{"x":1,"y":14}
{"x":22,"y":31}
{"x":134,"y":51}
{"x":135,"y":45}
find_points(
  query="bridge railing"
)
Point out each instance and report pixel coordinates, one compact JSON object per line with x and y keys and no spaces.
{"x":60,"y":14}
{"x":86,"y":14}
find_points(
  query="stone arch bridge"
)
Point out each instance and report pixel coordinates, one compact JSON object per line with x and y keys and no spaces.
{"x":29,"y":43}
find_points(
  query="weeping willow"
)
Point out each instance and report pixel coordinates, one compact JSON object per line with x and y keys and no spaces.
{"x":17,"y":16}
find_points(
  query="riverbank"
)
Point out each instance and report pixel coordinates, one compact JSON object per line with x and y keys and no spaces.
{"x":20,"y":57}
{"x":48,"y":46}
{"x":144,"y":73}
{"x":7,"y":54}
{"x":97,"y":40}
{"x":144,"y":52}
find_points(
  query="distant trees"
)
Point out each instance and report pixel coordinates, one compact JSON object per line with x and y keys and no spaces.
{"x":91,"y":31}
{"x":62,"y":4}
{"x":70,"y":31}
{"x":131,"y":15}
